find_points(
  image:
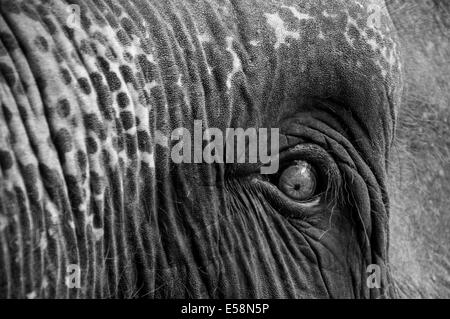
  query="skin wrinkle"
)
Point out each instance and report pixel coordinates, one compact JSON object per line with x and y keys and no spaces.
{"x":272,"y":262}
{"x":280,"y":261}
{"x":289,"y":241}
{"x":245,"y":190}
{"x":321,"y":240}
{"x":89,"y":246}
{"x":20,"y":230}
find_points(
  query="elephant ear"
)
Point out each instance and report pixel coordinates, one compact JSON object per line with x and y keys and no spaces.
{"x":419,"y":180}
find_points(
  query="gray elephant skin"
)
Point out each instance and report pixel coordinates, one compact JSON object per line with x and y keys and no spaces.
{"x":85,"y":180}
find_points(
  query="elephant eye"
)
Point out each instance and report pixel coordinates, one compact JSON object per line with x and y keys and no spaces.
{"x":298,"y":181}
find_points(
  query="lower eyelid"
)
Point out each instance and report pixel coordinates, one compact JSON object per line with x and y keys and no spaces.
{"x":287,"y":206}
{"x":312,"y":203}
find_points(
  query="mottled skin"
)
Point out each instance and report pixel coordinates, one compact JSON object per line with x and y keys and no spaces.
{"x":83,"y":181}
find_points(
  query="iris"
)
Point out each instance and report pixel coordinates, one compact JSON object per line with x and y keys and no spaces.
{"x":298,"y":181}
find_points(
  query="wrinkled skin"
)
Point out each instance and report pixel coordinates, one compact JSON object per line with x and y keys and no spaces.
{"x":79,"y":114}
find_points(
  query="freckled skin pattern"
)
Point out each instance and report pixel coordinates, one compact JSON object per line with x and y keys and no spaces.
{"x":83,"y":182}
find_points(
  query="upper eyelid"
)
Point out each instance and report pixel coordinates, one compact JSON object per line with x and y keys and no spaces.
{"x":288,"y":206}
{"x":309,"y":152}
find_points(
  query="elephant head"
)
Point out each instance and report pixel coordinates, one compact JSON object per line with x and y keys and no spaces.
{"x":98,"y":98}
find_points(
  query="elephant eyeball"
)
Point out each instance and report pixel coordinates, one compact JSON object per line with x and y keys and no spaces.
{"x":298,"y":181}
